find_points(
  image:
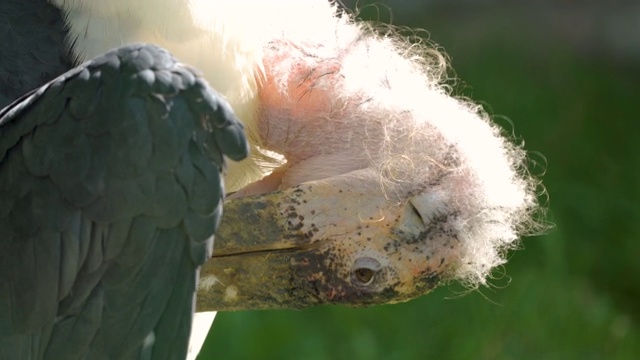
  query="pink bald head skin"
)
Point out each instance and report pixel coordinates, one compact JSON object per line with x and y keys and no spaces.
{"x":303,"y":116}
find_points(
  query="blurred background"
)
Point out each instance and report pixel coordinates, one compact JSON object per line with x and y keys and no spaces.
{"x":565,"y":77}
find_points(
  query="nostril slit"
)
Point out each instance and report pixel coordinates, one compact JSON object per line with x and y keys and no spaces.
{"x":417,"y":213}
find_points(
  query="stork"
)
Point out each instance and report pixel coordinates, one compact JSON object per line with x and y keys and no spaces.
{"x":369,"y":183}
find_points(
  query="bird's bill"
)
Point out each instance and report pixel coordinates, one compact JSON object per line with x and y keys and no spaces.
{"x":339,"y":241}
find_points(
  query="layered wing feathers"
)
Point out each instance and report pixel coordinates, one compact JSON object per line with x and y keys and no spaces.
{"x":110,"y":192}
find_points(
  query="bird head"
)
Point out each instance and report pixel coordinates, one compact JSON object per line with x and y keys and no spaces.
{"x":369,"y":182}
{"x":389,"y":187}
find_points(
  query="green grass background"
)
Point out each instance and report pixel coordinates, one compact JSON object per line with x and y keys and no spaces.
{"x":570,"y":294}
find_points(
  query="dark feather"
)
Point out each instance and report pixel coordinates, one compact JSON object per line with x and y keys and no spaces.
{"x":111,"y":187}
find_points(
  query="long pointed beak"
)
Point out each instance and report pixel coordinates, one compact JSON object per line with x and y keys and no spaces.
{"x":332,"y":241}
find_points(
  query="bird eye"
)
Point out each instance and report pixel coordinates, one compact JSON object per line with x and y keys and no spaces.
{"x":364,"y":275}
{"x":364,"y":271}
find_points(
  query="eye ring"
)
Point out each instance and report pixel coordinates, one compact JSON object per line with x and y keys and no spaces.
{"x":364,"y":270}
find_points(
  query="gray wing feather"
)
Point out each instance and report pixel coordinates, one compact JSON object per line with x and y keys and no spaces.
{"x":110,"y":192}
{"x":33,"y":51}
